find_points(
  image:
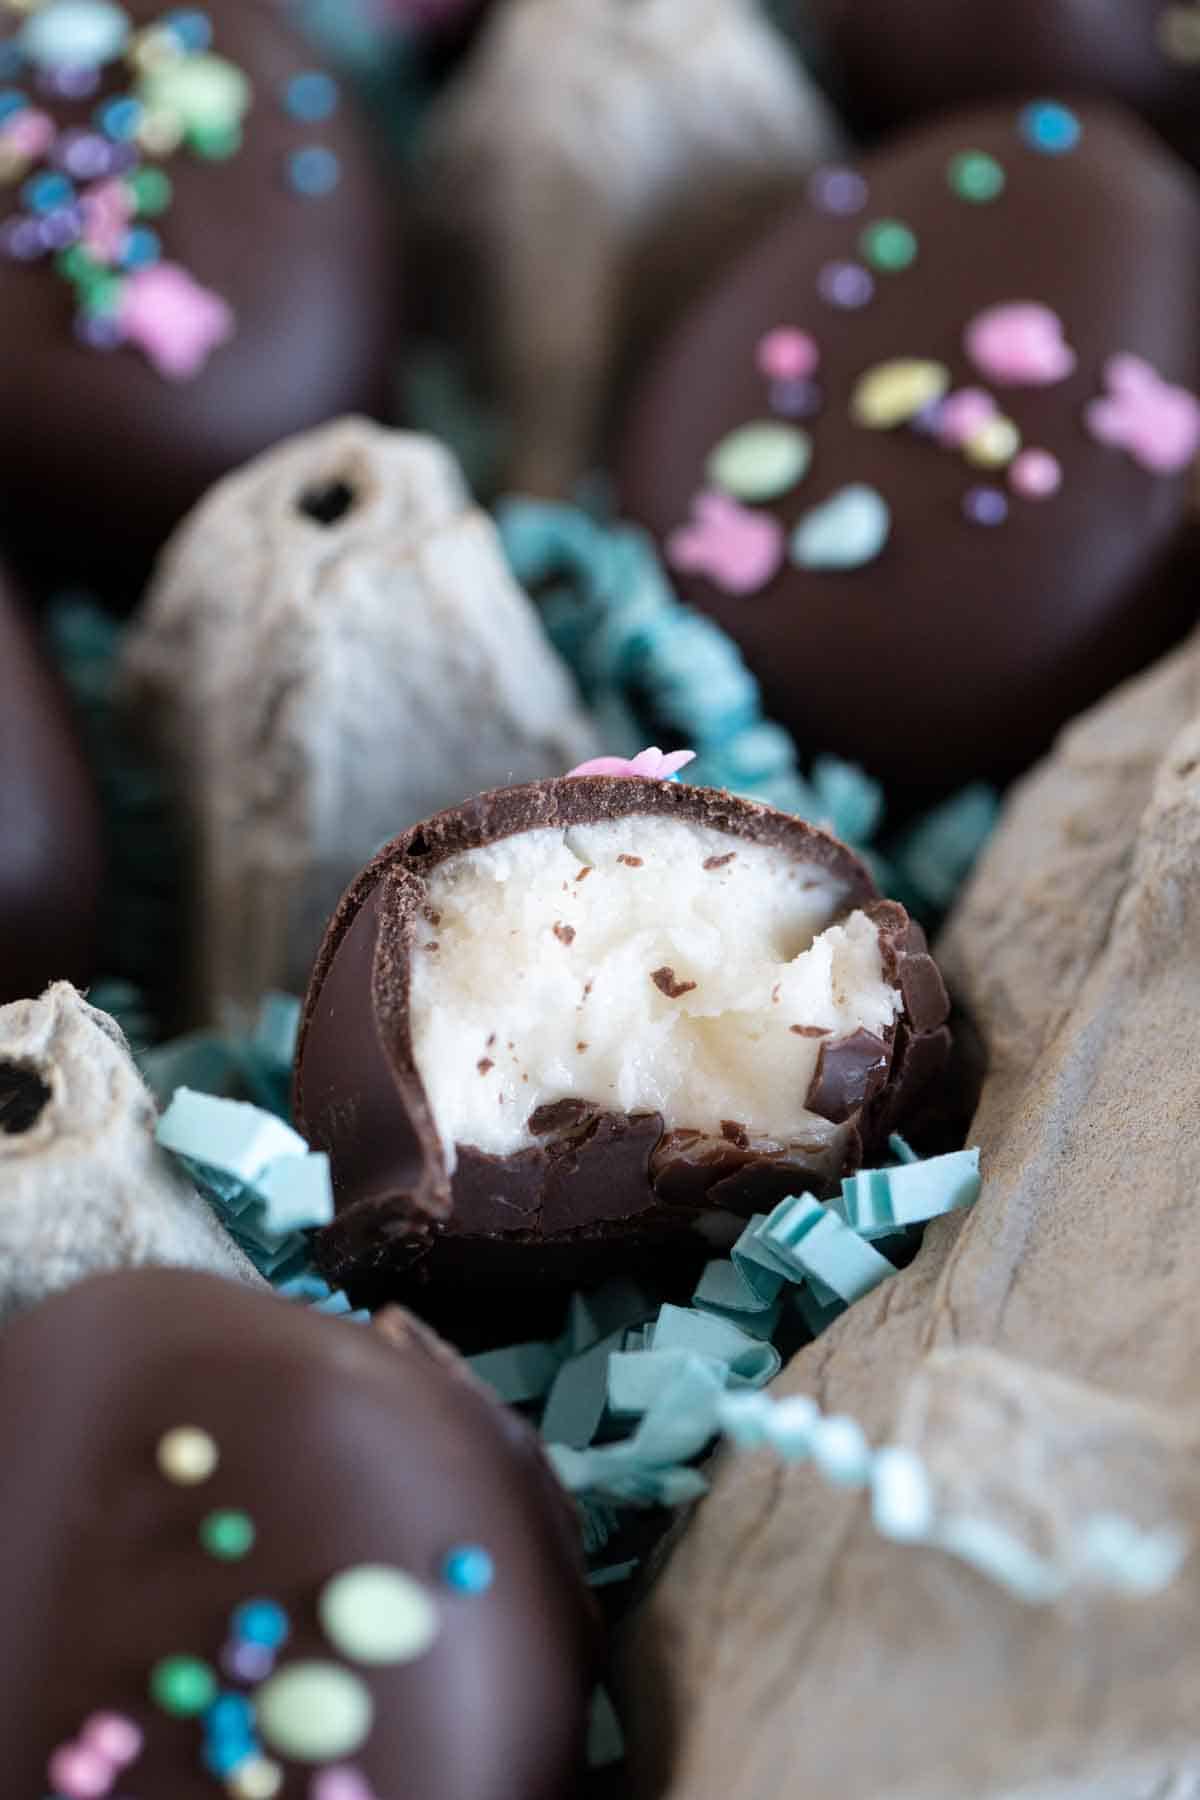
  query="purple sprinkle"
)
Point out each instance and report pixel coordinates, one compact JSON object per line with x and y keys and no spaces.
{"x":796,"y":399}
{"x":845,"y":284}
{"x":21,"y":238}
{"x":928,"y":419}
{"x":247,"y":1662}
{"x":99,"y":331}
{"x":837,"y":190}
{"x":61,"y":228}
{"x":85,"y":154}
{"x":68,"y":83}
{"x":985,"y":506}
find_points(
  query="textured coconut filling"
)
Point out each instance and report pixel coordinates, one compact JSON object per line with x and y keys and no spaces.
{"x":644,"y":965}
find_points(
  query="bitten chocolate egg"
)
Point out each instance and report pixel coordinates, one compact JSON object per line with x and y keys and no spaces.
{"x":249,"y":1550}
{"x":927,"y":451}
{"x":51,"y":859}
{"x":572,"y":1021}
{"x":893,"y":62}
{"x":195,"y":260}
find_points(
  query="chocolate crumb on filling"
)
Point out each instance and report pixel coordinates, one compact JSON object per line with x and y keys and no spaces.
{"x":787,"y":1043}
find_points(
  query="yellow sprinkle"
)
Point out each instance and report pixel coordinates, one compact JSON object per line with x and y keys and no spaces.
{"x":187,"y":1456}
{"x":258,"y":1778}
{"x":994,"y":445}
{"x":160,"y":132}
{"x":893,"y":392}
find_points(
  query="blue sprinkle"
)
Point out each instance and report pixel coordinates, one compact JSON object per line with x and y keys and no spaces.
{"x":1048,"y":126}
{"x":142,"y":248}
{"x":11,"y":60}
{"x":314,"y":171}
{"x":12,"y":101}
{"x":45,"y":192}
{"x":230,"y":1716}
{"x":119,"y":118}
{"x":192,"y":27}
{"x":222,"y":1755}
{"x":311,"y":96}
{"x":261,"y":1622}
{"x":468,"y":1569}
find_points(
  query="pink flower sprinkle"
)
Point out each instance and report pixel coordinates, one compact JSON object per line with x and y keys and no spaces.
{"x":648,"y":765}
{"x":737,"y":549}
{"x":1035,"y":475}
{"x":173,"y":319}
{"x":961,"y":414}
{"x":79,"y":1773}
{"x":787,"y":354}
{"x":340,"y":1783}
{"x":1020,"y":344}
{"x":1159,"y":425}
{"x":111,"y":1735}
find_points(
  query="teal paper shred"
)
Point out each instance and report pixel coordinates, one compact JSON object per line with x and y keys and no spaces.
{"x":256,"y":1066}
{"x":605,"y":1739}
{"x":934,"y":857}
{"x":264,"y":1183}
{"x":878,"y":1202}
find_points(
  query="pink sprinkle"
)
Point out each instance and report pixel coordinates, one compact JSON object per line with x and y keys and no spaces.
{"x":111,"y":1735}
{"x":787,"y":354}
{"x":80,"y":1773}
{"x":173,"y":319}
{"x":107,"y":210}
{"x":962,"y":414}
{"x":1020,"y":344}
{"x":1035,"y":475}
{"x":28,"y":133}
{"x":1159,"y":425}
{"x":340,"y":1783}
{"x":647,"y":765}
{"x":737,"y":549}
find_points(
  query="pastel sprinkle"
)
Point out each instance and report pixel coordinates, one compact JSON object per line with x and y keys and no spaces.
{"x":1035,"y":475}
{"x":1019,"y":344}
{"x":889,"y":245}
{"x":985,"y":506}
{"x":737,"y":549}
{"x":647,"y":765}
{"x":78,"y":1772}
{"x":846,"y":532}
{"x":12,"y":101}
{"x":340,"y":1783}
{"x":207,"y":95}
{"x":182,"y":1686}
{"x":247,"y":1662}
{"x":150,"y":190}
{"x":111,"y":1735}
{"x":994,"y":445}
{"x":227,"y":1535}
{"x":377,"y":1614}
{"x":261,"y":1622}
{"x":314,"y":171}
{"x":796,"y":399}
{"x":257,"y":1778}
{"x":975,"y":176}
{"x":962,"y":415}
{"x":893,"y":392}
{"x":120,"y":117}
{"x":311,"y":96}
{"x":1050,"y":127}
{"x":42,"y":193}
{"x":838,"y":190}
{"x":468,"y":1569}
{"x":314,"y":1711}
{"x":1157,"y":423}
{"x":187,"y":1455}
{"x":846,"y":285}
{"x":75,"y":34}
{"x":190,"y":26}
{"x":175,"y":321}
{"x":787,"y":354}
{"x":760,"y":461}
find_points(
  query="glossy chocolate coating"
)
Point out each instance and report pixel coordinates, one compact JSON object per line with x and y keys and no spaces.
{"x":958,"y":651}
{"x":599,"y":1188}
{"x":344,"y":1448}
{"x":51,"y":859}
{"x":109,"y":453}
{"x":892,"y":62}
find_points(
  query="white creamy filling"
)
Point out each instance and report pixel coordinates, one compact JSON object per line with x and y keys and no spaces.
{"x":669,"y":977}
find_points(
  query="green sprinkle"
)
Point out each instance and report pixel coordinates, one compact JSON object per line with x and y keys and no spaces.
{"x":976,"y":176}
{"x":183,"y":1686}
{"x":151,"y":190}
{"x":888,"y":245}
{"x":101,"y":293}
{"x":216,"y":146}
{"x":760,"y":461}
{"x":228,"y":1535}
{"x":77,"y":266}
